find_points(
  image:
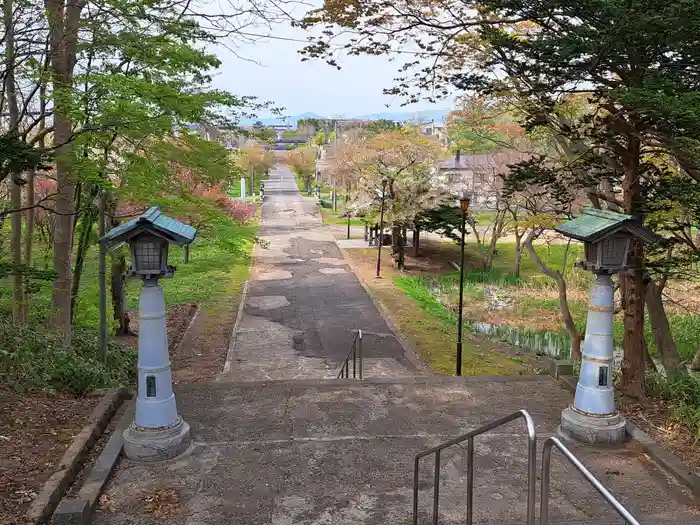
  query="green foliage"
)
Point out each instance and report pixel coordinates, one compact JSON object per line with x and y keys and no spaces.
{"x":35,"y":357}
{"x":379,"y":126}
{"x":682,"y":392}
{"x":18,"y":156}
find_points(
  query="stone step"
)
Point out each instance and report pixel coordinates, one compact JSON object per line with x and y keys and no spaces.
{"x":341,"y":452}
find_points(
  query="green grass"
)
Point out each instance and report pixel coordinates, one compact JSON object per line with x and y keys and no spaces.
{"x":434,"y":330}
{"x":331,"y":217}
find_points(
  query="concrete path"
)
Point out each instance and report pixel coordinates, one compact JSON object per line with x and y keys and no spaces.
{"x":304,"y":303}
{"x":331,"y":452}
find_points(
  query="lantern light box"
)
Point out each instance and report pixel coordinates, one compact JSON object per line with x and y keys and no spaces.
{"x":607,"y":236}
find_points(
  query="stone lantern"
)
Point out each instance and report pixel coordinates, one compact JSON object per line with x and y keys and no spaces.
{"x":158,"y":431}
{"x":607,"y":237}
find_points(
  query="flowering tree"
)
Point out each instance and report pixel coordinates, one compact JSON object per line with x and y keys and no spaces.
{"x":396,"y":167}
{"x":302,"y":161}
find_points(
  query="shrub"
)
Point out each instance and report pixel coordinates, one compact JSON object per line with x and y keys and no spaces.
{"x":682,"y":393}
{"x":239,"y":210}
{"x":33,"y":357}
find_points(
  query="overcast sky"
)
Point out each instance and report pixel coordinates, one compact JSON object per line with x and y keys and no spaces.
{"x":275,"y":72}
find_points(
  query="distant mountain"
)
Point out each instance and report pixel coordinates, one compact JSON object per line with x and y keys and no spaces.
{"x":437,"y":115}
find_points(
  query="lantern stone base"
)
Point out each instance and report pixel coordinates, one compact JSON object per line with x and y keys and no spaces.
{"x":144,"y":444}
{"x":605,"y":430}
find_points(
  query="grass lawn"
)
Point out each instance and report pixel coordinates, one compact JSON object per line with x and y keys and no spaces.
{"x":428,"y":325}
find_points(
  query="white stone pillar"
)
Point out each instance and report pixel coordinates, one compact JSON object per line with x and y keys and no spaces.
{"x":593,"y":417}
{"x":243,"y":188}
{"x":158,"y":431}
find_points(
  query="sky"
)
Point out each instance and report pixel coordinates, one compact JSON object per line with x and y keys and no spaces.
{"x":272,"y":70}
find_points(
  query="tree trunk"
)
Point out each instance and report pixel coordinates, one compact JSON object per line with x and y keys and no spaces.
{"x":518,"y":255}
{"x":63,"y":18}
{"x":633,"y":363}
{"x":397,"y":247}
{"x":496,"y":234}
{"x":479,"y":240}
{"x":660,"y":328}
{"x":118,"y":279}
{"x":566,"y":316}
{"x":31,"y":214}
{"x":117,"y":286}
{"x":86,"y":225}
{"x":18,"y":306}
{"x":416,"y":242}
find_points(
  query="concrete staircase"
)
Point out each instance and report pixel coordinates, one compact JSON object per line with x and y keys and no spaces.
{"x":340,"y":452}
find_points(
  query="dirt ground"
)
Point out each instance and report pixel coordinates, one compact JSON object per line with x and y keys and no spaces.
{"x":652,"y":418}
{"x":35,"y":431}
{"x":37,"y":428}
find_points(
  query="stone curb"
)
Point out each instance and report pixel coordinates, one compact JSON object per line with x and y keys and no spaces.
{"x":69,"y":466}
{"x":670,"y":463}
{"x":197,"y":310}
{"x":78,"y":510}
{"x":234,"y":332}
{"x":409,"y":349}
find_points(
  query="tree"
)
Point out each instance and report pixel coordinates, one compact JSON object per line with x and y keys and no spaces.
{"x":302,"y":161}
{"x":375,"y":127}
{"x":254,"y":160}
{"x":483,"y":125}
{"x":400,"y":164}
{"x":641,"y":83}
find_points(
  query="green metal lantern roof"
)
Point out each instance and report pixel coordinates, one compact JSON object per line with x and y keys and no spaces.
{"x":153,"y":221}
{"x":593,"y":225}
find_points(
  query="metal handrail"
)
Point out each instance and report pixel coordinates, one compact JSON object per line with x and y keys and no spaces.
{"x":355,"y":354}
{"x":546,"y":470}
{"x":469,"y":437}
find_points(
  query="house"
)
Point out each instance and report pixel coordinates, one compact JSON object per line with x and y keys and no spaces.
{"x":480,"y":175}
{"x":434,"y":129}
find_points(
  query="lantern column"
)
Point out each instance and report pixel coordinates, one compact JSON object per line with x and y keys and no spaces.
{"x":593,"y":418}
{"x":158,"y":432}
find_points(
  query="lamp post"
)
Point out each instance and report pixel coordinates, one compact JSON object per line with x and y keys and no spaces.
{"x":381,"y":228}
{"x":158,"y":432}
{"x":464,"y":207}
{"x":348,"y":213}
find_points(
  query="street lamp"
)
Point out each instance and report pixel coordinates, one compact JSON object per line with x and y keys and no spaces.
{"x":464,"y":207}
{"x":381,"y":227}
{"x":158,"y":432}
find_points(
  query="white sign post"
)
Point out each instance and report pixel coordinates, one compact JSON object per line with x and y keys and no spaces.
{"x":243,"y":188}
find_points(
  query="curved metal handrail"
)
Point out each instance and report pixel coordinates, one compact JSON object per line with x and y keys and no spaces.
{"x":356,"y":354}
{"x":554,"y":442}
{"x":469,"y":437}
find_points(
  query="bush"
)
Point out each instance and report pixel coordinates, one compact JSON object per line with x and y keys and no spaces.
{"x":239,"y":210}
{"x":682,"y":393}
{"x":32,"y":357}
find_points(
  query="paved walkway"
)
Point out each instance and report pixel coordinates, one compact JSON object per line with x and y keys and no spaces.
{"x":310,"y":452}
{"x":304,"y":303}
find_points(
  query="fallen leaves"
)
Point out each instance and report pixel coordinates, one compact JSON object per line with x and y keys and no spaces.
{"x":163,"y":503}
{"x":106,"y":503}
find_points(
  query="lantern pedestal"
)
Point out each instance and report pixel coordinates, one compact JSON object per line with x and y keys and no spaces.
{"x":594,"y":430}
{"x":593,"y":417}
{"x":158,"y":432}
